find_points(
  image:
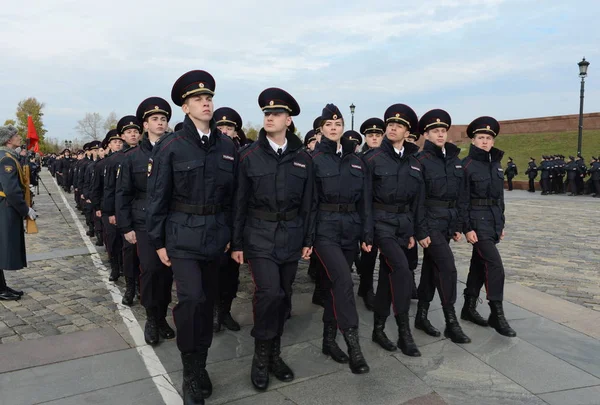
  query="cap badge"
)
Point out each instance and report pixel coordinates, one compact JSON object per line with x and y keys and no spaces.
{"x":437,"y":120}
{"x":335,"y":116}
{"x":224,"y":117}
{"x":201,"y":85}
{"x":156,"y":107}
{"x":374,"y":126}
{"x":130,"y":122}
{"x":488,"y":127}
{"x":271,"y":102}
{"x":397,"y":116}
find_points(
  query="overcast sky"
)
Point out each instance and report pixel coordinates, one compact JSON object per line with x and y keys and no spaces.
{"x":505,"y":58}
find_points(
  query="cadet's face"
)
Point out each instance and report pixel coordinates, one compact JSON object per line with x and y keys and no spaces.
{"x":438,"y":136}
{"x":156,"y":124}
{"x":228,"y":130}
{"x":319,"y":135}
{"x":483,"y":141}
{"x":131,"y":136}
{"x":333,"y":129}
{"x":101,"y":153}
{"x":374,"y":139}
{"x":396,"y":132}
{"x":199,"y":107}
{"x":311,"y":145}
{"x":275,"y":122}
{"x":115,"y":145}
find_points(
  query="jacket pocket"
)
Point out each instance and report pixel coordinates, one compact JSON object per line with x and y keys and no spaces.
{"x":188,"y":234}
{"x":185,"y":175}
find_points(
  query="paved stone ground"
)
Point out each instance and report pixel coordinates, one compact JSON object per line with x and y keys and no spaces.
{"x":67,"y":328}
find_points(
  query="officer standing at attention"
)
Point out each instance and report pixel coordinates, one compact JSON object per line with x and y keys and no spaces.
{"x":398,"y":197}
{"x":156,"y":279}
{"x":510,"y":172}
{"x":341,"y":220}
{"x":545,"y":177}
{"x":229,"y":122}
{"x":13,"y":209}
{"x":310,"y":140}
{"x":531,"y":172}
{"x":373,"y":130}
{"x":97,"y":194}
{"x":443,"y":173}
{"x":85,"y":182}
{"x":189,"y":218}
{"x":482,"y":211}
{"x":271,"y":226}
{"x":595,"y":177}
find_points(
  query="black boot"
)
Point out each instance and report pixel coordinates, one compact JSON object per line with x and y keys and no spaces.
{"x":114,"y":269}
{"x":164,"y":329}
{"x":228,"y":321}
{"x":330,"y":346}
{"x":99,"y":239}
{"x":421,"y":321}
{"x":358,"y":364}
{"x":138,"y":288}
{"x":151,"y":328}
{"x":277,"y":366}
{"x":368,"y":298}
{"x":379,"y":335}
{"x":120,"y":263}
{"x":405,"y":339}
{"x":129,"y":291}
{"x":216,"y":318}
{"x":498,"y":321}
{"x":469,"y":311}
{"x":415,"y":295}
{"x":259,"y":374}
{"x":192,"y":386}
{"x":90,"y":232}
{"x":4,"y":287}
{"x":453,"y":329}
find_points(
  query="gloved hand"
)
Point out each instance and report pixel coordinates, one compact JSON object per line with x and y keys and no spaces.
{"x":32,"y":214}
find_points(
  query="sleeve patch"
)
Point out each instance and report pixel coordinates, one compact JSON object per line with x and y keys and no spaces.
{"x":8,"y":169}
{"x":150,"y":167}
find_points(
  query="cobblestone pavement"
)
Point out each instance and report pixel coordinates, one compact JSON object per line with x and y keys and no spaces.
{"x":551,"y":245}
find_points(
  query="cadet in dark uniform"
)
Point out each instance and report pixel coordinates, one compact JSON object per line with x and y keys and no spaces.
{"x":112,"y":238}
{"x":313,"y":265}
{"x":310,"y":141}
{"x":443,"y":174}
{"x":341,"y":221}
{"x":96,"y":195}
{"x":482,"y":212}
{"x":75,"y":169}
{"x":595,"y":177}
{"x":13,"y":209}
{"x":156,"y":279}
{"x":373,"y":130}
{"x":545,"y":176}
{"x":271,"y":226}
{"x":581,"y":172}
{"x":412,"y":254}
{"x":572,"y":173}
{"x":398,"y":197}
{"x":189,"y":219}
{"x":560,"y":184}
{"x":531,"y":172}
{"x":229,"y":122}
{"x":85,"y":182}
{"x":510,"y":172}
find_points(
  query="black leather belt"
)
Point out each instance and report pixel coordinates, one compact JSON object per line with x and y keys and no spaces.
{"x":394,"y":209}
{"x":273,"y":216}
{"x":440,"y":204}
{"x":338,"y":207}
{"x":196,"y":209}
{"x":482,"y":202}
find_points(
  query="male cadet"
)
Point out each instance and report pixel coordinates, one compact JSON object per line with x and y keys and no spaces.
{"x":75,"y":169}
{"x":595,"y":177}
{"x":531,"y":172}
{"x":354,"y":137}
{"x":113,"y":240}
{"x":78,"y":174}
{"x":560,"y":184}
{"x":572,"y":174}
{"x":545,"y":177}
{"x":373,"y":130}
{"x":96,"y":195}
{"x":229,"y":122}
{"x":510,"y":172}
{"x":271,"y":227}
{"x":86,"y":182}
{"x":310,"y":141}
{"x":189,"y":219}
{"x":581,"y":172}
{"x":129,"y":128}
{"x":156,"y":279}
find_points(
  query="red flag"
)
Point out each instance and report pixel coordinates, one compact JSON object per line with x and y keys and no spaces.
{"x":32,"y":135}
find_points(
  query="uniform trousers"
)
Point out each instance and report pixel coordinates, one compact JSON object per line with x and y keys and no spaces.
{"x":532,"y":185}
{"x":131,"y":262}
{"x":229,"y":280}
{"x":510,"y":183}
{"x":596,"y":184}
{"x":156,"y":279}
{"x":395,"y":279}
{"x":438,"y":271}
{"x":366,"y":268}
{"x":340,"y":306}
{"x":98,"y":228}
{"x":486,"y":269}
{"x":89,"y":214}
{"x":113,"y":240}
{"x":196,"y":283}
{"x":272,"y":296}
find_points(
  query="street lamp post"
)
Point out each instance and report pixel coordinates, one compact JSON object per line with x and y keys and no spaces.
{"x":352,"y":108}
{"x":583,"y":67}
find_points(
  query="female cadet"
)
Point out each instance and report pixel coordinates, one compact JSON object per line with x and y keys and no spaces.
{"x":482,"y":211}
{"x":398,"y":196}
{"x":341,"y":216}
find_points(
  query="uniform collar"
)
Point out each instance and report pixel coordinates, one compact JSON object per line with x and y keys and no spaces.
{"x":276,"y":147}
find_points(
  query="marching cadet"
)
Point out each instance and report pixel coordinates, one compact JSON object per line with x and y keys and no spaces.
{"x":398,"y":194}
{"x":373,"y":130}
{"x":271,"y":226}
{"x":13,"y":209}
{"x":531,"y":172}
{"x":229,"y":122}
{"x":510,"y":172}
{"x":481,"y":207}
{"x":560,"y":184}
{"x":310,"y":141}
{"x":412,"y":254}
{"x":595,"y":177}
{"x":85,"y":183}
{"x":189,"y":219}
{"x":341,"y":220}
{"x":156,"y":279}
{"x":443,"y":174}
{"x":313,"y":265}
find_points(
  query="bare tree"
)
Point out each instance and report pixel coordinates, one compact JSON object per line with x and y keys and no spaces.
{"x":110,"y":122}
{"x":90,"y":127}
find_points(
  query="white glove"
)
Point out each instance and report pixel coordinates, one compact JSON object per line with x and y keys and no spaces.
{"x":32,"y":214}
